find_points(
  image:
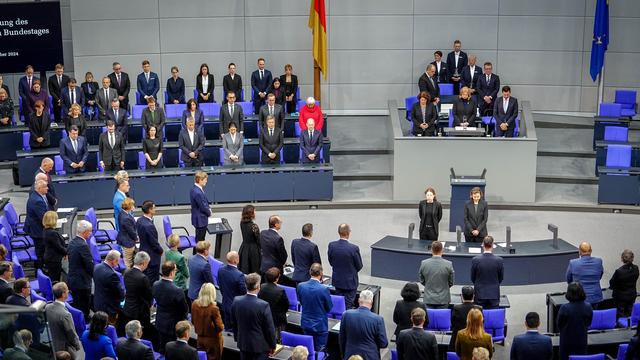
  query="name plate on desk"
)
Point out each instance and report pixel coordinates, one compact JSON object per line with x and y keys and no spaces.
{"x":468,"y":128}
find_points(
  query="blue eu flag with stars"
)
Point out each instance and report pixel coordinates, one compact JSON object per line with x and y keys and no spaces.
{"x":600,"y":40}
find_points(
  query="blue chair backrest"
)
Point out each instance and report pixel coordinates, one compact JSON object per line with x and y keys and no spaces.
{"x":452,"y":356}
{"x":11,"y":214}
{"x":202,"y":355}
{"x":136,"y":111}
{"x":408,"y":104}
{"x":622,"y":351}
{"x":35,"y":297}
{"x":339,"y":307}
{"x":516,"y":131}
{"x":247,"y":107}
{"x":618,"y":156}
{"x":210,"y":109}
{"x":221,"y":156}
{"x":603,"y":319}
{"x":610,"y":110}
{"x":90,"y":216}
{"x":296,"y":129}
{"x":174,"y":110}
{"x":439,"y":319}
{"x":494,"y":323}
{"x":111,"y":333}
{"x":626,"y":98}
{"x":58,"y":164}
{"x":142,"y":161}
{"x":635,"y":314}
{"x":587,"y":357}
{"x":93,"y":248}
{"x":44,"y":282}
{"x":616,"y":133}
{"x":4,"y":224}
{"x":18,"y":271}
{"x":292,"y":296}
{"x":446,"y":89}
{"x":293,"y":340}
{"x":26,"y":136}
{"x":450,"y":118}
{"x":394,"y":354}
{"x":215,"y":266}
{"x":78,"y":318}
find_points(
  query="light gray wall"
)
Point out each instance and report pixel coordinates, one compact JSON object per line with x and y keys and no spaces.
{"x":378,"y":48}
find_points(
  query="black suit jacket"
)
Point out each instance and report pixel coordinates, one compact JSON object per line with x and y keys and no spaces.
{"x":226,"y":119}
{"x":122,"y":125}
{"x":80,"y":264}
{"x":278,"y":302}
{"x":487,"y":272}
{"x":459,"y":319}
{"x":263,"y":85}
{"x":402,"y":314}
{"x":138,"y":297}
{"x":108,"y":154}
{"x":431,"y":118}
{"x":175,"y":90}
{"x":123,"y":88}
{"x":38,"y":129}
{"x":417,"y":344}
{"x":234,"y":85}
{"x":531,"y":346}
{"x":55,"y":90}
{"x":6,"y":290}
{"x":54,"y":246}
{"x":178,"y":350}
{"x":488,"y":89}
{"x":510,"y":115}
{"x":464,"y":108}
{"x":304,"y":253}
{"x":274,"y":253}
{"x":278,"y":113}
{"x":425,"y":85}
{"x":271,"y":144}
{"x":209,"y":88}
{"x":172,"y":305}
{"x":476,"y":220}
{"x":466,"y":76}
{"x":253,"y":327}
{"x":108,"y":290}
{"x":443,"y":74}
{"x":451,"y":62}
{"x":187,"y":146}
{"x":132,"y":349}
{"x":623,"y":283}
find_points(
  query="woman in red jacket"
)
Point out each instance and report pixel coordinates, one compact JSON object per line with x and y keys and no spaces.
{"x":311,"y":110}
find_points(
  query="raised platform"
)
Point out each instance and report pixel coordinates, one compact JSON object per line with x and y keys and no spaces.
{"x":534,"y":262}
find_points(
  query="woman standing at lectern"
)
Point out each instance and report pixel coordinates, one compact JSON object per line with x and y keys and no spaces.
{"x":476,"y":213}
{"x":430,"y":212}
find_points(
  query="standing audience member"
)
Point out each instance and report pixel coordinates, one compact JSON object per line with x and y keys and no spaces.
{"x":623,"y":283}
{"x":74,"y":152}
{"x":261,"y":80}
{"x":473,"y":336}
{"x":464,"y":109}
{"x":119,"y":196}
{"x":273,"y":109}
{"x":25,"y":85}
{"x":205,"y":85}
{"x":274,"y":254}
{"x":505,"y":111}
{"x":148,"y":83}
{"x":6,"y":108}
{"x":171,"y":304}
{"x":104,"y":97}
{"x":574,"y":319}
{"x":415,"y":343}
{"x":193,"y":111}
{"x":233,"y":146}
{"x":361,"y":331}
{"x":311,"y":142}
{"x":81,"y":268}
{"x":96,"y":343}
{"x":250,"y":253}
{"x":21,"y":297}
{"x":111,"y":148}
{"x":6,"y":273}
{"x":154,"y":116}
{"x":37,"y":206}
{"x":476,"y":215}
{"x":290,"y":85}
{"x":55,"y":248}
{"x":436,"y":274}
{"x":75,"y":118}
{"x":199,"y":269}
{"x":138,"y":297}
{"x":430,"y":212}
{"x":71,"y":95}
{"x":132,"y":348}
{"x":39,"y":125}
{"x":456,"y":61}
{"x":531,"y":345}
{"x":120,"y":81}
{"x":89,"y":89}
{"x":20,"y":351}
{"x":182,"y":272}
{"x":232,"y":82}
{"x":56,"y":83}
{"x":487,"y":90}
{"x":231,"y":113}
{"x":180,"y":348}
{"x":304,"y":253}
{"x":459,"y":314}
{"x":402,"y":311}
{"x":109,"y":292}
{"x":346,"y":262}
{"x":200,"y":210}
{"x":315,"y":301}
{"x":277,"y":300}
{"x":127,"y":236}
{"x":232,"y":283}
{"x":152,"y":149}
{"x":487,"y":272}
{"x":35,"y":94}
{"x":271,"y":142}
{"x":424,"y":115}
{"x":191,"y":142}
{"x":175,"y":87}
{"x":119,"y":117}
{"x":207,"y":322}
{"x":253,"y":328}
{"x":63,"y":331}
{"x":587,"y":270}
{"x":148,"y":236}
{"x":429,"y":83}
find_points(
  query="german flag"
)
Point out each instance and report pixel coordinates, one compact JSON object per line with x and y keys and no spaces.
{"x":318,"y":25}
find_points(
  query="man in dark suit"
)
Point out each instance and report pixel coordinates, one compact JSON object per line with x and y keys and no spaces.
{"x":200,"y":210}
{"x":153,"y":116}
{"x":231,"y":113}
{"x":253,"y":328}
{"x":81,"y":268}
{"x":74,"y":151}
{"x":277,"y":299}
{"x":172,"y":305}
{"x":119,"y":117}
{"x":29,"y":321}
{"x":315,"y":300}
{"x":148,"y":83}
{"x":587,"y":270}
{"x":138,"y":297}
{"x":56,"y":83}
{"x":109,"y":292}
{"x":346,"y":262}
{"x":46,"y":167}
{"x":232,"y":82}
{"x":459,"y":314}
{"x":261,"y":81}
{"x":271,"y":141}
{"x":111,"y":148}
{"x":180,"y":349}
{"x":361,"y":331}
{"x":232,"y":283}
{"x":488,"y":86}
{"x":191,"y":142}
{"x":37,"y":205}
{"x":487,"y":272}
{"x":470,"y":75}
{"x":304,"y":253}
{"x":415,"y":343}
{"x":104,"y":97}
{"x":429,"y":83}
{"x":71,"y":94}
{"x":531,"y":345}
{"x":271,"y":108}
{"x":6,"y":273}
{"x":456,"y":61}
{"x":199,"y":269}
{"x":148,"y":236}
{"x":132,"y":348}
{"x":24,"y":87}
{"x":505,"y":112}
{"x":274,"y":253}
{"x":311,"y":143}
{"x":120,"y":81}
{"x":442,"y":71}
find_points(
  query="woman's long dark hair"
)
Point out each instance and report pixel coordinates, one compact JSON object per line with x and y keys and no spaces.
{"x":98,"y":325}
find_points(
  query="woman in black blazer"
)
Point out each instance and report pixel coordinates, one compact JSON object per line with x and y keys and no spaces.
{"x":39,"y":124}
{"x":127,"y":236}
{"x":476,"y":213}
{"x":54,"y":246}
{"x":278,"y":91}
{"x":290,"y":84}
{"x":623,"y":283}
{"x":75,"y":118}
{"x":424,"y":115}
{"x":89,"y":88}
{"x":430,"y":212}
{"x":464,"y":110}
{"x":205,"y":85}
{"x":402,"y":312}
{"x":175,"y":87}
{"x":574,"y":319}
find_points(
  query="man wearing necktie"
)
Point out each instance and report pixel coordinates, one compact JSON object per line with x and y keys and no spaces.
{"x":57,"y":82}
{"x":428,"y":83}
{"x":273,"y":109}
{"x":271,"y":142}
{"x":231,"y":113}
{"x":148,"y":83}
{"x":488,"y":87}
{"x":71,"y":95}
{"x":37,"y":206}
{"x":200,"y":211}
{"x":74,"y":151}
{"x":505,"y":111}
{"x":261,"y":81}
{"x":24,"y":87}
{"x":191,"y":142}
{"x":119,"y":80}
{"x":111,"y":148}
{"x":311,"y":143}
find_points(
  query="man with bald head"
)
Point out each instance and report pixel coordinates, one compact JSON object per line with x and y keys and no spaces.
{"x":587,"y":270}
{"x":470,"y":75}
{"x":50,"y":197}
{"x":232,"y":283}
{"x":37,"y":205}
{"x":311,"y":143}
{"x":46,"y":167}
{"x":346,"y":262}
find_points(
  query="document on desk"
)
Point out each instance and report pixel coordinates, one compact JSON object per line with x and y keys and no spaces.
{"x":336,"y":327}
{"x":474,"y":250}
{"x":65,"y":210}
{"x":60,"y":222}
{"x":214,"y":220}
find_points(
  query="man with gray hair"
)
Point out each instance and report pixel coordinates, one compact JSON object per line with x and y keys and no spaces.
{"x":46,"y":166}
{"x":138,"y":297}
{"x":361,"y":331}
{"x":132,"y":348}
{"x":81,"y":267}
{"x":63,"y":332}
{"x":191,"y":142}
{"x":37,"y":205}
{"x":429,"y":83}
{"x":300,"y":353}
{"x":51,"y":199}
{"x":22,"y":340}
{"x":108,"y":289}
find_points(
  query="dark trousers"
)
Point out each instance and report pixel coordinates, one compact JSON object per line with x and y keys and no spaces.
{"x":488,"y":303}
{"x":164,"y":339}
{"x":245,"y":355}
{"x":153,"y":273}
{"x":57,"y":112}
{"x":428,"y":233}
{"x":319,"y":338}
{"x":456,"y":87}
{"x":349,"y":297}
{"x":197,"y":162}
{"x":113,"y":166}
{"x":474,"y":239}
{"x":257,"y":103}
{"x":39,"y":245}
{"x":82,"y":300}
{"x":201,"y":233}
{"x":624,"y":309}
{"x":54,"y":269}
{"x":508,"y":133}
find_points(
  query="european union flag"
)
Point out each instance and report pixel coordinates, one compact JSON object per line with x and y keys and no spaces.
{"x":600,"y":37}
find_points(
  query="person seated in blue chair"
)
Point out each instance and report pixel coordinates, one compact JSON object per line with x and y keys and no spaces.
{"x":271,"y":141}
{"x":74,"y":152}
{"x":505,"y":111}
{"x":175,"y":87}
{"x":148,"y":83}
{"x":311,"y":143}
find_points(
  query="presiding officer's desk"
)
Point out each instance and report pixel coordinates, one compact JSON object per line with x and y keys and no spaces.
{"x":534,"y":262}
{"x":170,"y":186}
{"x":619,"y":185}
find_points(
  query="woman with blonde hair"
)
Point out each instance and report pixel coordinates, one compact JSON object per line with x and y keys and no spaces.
{"x":207,"y":322}
{"x":464,"y":109}
{"x":75,"y":118}
{"x":182,"y":270}
{"x":54,"y":246}
{"x":473,"y":336}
